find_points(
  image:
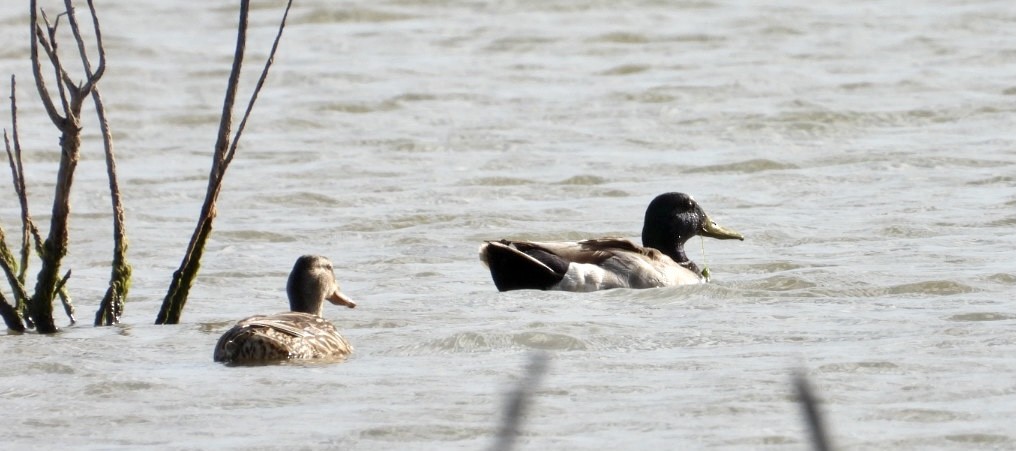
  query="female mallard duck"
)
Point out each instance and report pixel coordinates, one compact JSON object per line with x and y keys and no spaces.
{"x":298,"y":334}
{"x":600,"y":264}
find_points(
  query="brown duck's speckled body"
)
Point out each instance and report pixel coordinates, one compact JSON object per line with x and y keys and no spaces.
{"x":298,"y":334}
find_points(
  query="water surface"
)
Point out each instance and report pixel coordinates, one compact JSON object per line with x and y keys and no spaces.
{"x":863,"y":149}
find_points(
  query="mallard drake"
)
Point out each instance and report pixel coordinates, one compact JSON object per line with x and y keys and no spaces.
{"x":600,"y":264}
{"x":300,"y":333}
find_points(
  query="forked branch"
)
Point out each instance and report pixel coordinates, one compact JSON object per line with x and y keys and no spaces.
{"x":69,"y":123}
{"x":225,"y":149}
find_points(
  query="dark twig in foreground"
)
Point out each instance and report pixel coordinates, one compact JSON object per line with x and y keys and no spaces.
{"x":517,"y":402}
{"x":812,"y":416}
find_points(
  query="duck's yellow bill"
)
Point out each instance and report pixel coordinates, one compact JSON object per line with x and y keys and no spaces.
{"x":713,"y":230}
{"x":338,"y":298}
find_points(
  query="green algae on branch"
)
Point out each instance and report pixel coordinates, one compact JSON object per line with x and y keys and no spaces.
{"x":66,"y":116}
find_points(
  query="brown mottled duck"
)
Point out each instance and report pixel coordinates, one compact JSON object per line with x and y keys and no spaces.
{"x":300,"y":333}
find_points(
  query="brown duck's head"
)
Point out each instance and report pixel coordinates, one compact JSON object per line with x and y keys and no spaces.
{"x":311,"y":282}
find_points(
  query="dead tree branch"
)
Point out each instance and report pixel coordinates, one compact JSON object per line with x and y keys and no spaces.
{"x":14,"y":316}
{"x":10,"y":313}
{"x":225,"y":149}
{"x":10,"y":316}
{"x":112,"y":303}
{"x":69,"y":123}
{"x":28,"y":229}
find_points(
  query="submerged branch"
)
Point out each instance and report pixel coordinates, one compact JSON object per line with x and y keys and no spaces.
{"x":112,"y":305}
{"x":225,"y":149}
{"x":28,"y":229}
{"x":10,"y":315}
{"x":14,"y":315}
{"x":65,"y":298}
{"x":55,"y":247}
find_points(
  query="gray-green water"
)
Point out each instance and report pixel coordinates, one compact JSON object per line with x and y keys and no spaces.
{"x":864,"y":148}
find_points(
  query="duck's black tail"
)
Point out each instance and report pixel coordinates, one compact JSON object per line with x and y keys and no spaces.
{"x":521,"y":266}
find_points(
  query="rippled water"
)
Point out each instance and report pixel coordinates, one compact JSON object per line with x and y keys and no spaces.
{"x":864,"y":149}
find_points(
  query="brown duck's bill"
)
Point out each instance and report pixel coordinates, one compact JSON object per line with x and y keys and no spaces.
{"x":338,"y":298}
{"x":714,"y":230}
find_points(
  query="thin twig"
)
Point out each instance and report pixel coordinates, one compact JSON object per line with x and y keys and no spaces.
{"x":257,"y":88}
{"x":14,"y":315}
{"x":812,"y":415}
{"x":183,"y":277}
{"x":112,"y":303}
{"x":63,"y":79}
{"x":66,"y":298}
{"x":226,"y":121}
{"x":76,"y":32}
{"x":40,"y":82}
{"x":517,"y":402}
{"x":28,"y":228}
{"x":91,"y":77}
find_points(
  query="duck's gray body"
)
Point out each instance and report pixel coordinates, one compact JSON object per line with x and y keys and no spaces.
{"x":599,"y":264}
{"x":606,"y":263}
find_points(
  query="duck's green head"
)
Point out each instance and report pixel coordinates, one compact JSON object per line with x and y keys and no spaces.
{"x":311,"y":282}
{"x":673,"y":218}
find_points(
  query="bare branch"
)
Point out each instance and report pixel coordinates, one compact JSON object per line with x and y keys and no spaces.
{"x":101,"y":69}
{"x":54,"y":248}
{"x":183,"y":278}
{"x":40,"y":83}
{"x":112,"y":303}
{"x":76,"y":31}
{"x":13,"y":316}
{"x":90,"y":77}
{"x":18,"y":174}
{"x":65,"y":298}
{"x":260,"y":84}
{"x":226,"y":121}
{"x":63,"y":79}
